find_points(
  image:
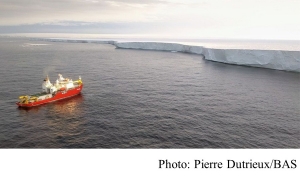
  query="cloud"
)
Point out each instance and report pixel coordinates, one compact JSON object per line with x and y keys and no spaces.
{"x":16,"y":12}
{"x":85,"y":27}
{"x":197,"y":17}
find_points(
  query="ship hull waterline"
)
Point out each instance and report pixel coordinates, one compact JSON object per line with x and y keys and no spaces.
{"x":58,"y":96}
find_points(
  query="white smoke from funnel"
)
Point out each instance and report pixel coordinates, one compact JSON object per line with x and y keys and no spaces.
{"x":48,"y":69}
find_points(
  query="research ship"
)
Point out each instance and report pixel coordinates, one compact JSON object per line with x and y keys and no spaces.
{"x":63,"y":88}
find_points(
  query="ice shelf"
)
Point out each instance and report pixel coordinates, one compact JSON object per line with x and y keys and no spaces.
{"x":272,"y":59}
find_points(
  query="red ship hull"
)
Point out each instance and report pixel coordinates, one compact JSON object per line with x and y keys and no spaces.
{"x":58,"y":96}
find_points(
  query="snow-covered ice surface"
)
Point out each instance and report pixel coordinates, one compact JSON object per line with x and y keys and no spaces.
{"x":273,"y":59}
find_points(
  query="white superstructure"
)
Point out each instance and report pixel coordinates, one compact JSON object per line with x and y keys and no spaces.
{"x":46,"y":85}
{"x":60,"y":84}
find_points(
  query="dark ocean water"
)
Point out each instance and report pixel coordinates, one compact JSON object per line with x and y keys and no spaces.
{"x":144,"y":99}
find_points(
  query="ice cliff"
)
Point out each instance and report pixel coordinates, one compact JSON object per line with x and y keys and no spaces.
{"x":273,"y":59}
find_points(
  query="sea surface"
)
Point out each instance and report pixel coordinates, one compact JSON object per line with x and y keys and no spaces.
{"x":144,"y":99}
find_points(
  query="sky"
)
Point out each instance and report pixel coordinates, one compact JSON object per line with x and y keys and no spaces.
{"x":237,"y":19}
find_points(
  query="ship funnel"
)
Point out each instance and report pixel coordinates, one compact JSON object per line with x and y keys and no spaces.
{"x":46,"y":85}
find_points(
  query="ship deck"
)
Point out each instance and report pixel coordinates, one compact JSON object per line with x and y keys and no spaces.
{"x":39,"y":94}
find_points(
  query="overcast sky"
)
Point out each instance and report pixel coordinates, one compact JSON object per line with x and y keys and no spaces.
{"x":262,"y":19}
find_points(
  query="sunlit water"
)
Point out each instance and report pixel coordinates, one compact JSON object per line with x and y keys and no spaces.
{"x":144,"y":99}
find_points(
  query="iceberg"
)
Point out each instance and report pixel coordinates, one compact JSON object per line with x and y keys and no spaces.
{"x":272,"y":59}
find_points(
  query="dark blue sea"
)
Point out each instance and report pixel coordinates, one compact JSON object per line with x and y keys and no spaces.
{"x":144,"y":99}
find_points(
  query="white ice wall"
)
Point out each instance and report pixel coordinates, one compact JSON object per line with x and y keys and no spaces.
{"x":273,"y":59}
